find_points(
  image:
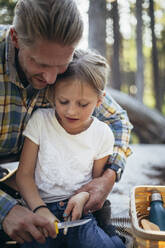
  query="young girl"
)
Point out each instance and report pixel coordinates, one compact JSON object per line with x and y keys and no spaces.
{"x":65,"y":146}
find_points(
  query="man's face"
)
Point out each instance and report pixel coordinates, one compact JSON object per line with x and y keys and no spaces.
{"x":43,"y":61}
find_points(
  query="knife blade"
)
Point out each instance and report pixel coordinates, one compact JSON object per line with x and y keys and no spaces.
{"x":67,"y":224}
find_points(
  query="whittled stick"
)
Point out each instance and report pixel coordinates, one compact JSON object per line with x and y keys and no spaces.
{"x":147,"y":225}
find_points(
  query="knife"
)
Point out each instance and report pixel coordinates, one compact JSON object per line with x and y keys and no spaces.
{"x":66,"y":224}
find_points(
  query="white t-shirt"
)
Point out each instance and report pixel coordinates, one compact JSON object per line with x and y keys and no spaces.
{"x":65,"y":161}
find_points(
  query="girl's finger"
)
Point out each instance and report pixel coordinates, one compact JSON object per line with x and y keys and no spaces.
{"x":68,"y":210}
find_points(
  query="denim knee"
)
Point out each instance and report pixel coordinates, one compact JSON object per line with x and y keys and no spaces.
{"x":91,"y":235}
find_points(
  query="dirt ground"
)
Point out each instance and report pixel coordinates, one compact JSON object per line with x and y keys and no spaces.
{"x":146,"y":166}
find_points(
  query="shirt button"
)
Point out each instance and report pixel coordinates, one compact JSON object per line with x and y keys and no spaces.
{"x":61,"y":203}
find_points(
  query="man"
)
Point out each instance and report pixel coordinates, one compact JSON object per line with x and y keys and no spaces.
{"x":37,"y":48}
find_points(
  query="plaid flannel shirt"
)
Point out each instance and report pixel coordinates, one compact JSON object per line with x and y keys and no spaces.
{"x":15,"y":112}
{"x":15,"y":109}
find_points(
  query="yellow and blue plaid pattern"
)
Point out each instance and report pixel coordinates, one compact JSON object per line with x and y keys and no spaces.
{"x":15,"y":109}
{"x":15,"y":112}
{"x":116,"y":117}
{"x":6,"y":203}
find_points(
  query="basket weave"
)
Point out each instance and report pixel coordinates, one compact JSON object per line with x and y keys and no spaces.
{"x":139,"y":208}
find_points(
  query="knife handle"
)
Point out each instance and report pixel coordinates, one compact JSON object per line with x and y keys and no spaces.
{"x":56,"y":227}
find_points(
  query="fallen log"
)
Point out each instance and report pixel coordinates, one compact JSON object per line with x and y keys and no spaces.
{"x":149,"y":124}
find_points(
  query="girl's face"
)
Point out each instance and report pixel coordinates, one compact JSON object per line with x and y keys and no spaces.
{"x":74,"y":104}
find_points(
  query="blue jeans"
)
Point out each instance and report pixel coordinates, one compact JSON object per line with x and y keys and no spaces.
{"x":89,"y":235}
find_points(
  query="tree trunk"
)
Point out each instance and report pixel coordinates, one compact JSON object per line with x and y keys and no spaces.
{"x":139,"y":48}
{"x":97,"y":26}
{"x":155,"y":57}
{"x":116,"y":77}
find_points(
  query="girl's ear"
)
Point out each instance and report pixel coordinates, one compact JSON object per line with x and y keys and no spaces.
{"x":14,"y":37}
{"x":100,"y":99}
{"x":104,"y":94}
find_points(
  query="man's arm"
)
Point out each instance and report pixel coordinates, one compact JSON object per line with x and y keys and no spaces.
{"x":20,"y":223}
{"x":98,"y":189}
{"x":6,"y":204}
{"x":117,"y":119}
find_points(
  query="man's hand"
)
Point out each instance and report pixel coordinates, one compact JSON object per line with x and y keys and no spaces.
{"x":98,"y":189}
{"x":22,"y":225}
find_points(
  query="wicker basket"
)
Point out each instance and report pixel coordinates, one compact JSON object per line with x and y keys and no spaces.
{"x":139,"y":208}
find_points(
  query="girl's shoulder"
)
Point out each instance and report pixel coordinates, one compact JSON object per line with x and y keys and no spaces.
{"x":43,"y":112}
{"x":100,"y":124}
{"x":102,"y":128}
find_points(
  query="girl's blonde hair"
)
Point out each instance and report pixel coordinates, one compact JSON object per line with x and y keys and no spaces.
{"x":88,"y":67}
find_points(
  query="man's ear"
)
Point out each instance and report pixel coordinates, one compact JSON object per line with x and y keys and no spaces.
{"x":100,"y":99}
{"x":14,"y":37}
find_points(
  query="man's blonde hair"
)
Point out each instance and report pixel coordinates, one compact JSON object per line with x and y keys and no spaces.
{"x":53,"y":20}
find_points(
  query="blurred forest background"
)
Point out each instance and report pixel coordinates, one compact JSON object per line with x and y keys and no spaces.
{"x":131,"y":35}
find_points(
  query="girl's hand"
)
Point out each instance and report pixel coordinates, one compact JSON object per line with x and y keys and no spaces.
{"x":76,"y":205}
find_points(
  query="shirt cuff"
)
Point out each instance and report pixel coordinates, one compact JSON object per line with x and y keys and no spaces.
{"x":117,"y":159}
{"x":6,"y":204}
{"x":118,"y":170}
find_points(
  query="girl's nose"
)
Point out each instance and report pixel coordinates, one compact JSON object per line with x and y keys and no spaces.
{"x":71,"y":111}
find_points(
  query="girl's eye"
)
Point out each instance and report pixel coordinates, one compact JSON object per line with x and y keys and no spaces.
{"x":83,"y":105}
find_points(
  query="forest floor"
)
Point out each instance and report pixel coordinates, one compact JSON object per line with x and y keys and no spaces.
{"x":146,"y":166}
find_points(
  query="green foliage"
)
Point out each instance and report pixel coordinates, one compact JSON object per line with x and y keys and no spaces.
{"x":163,"y":109}
{"x":7,"y":11}
{"x":134,"y":138}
